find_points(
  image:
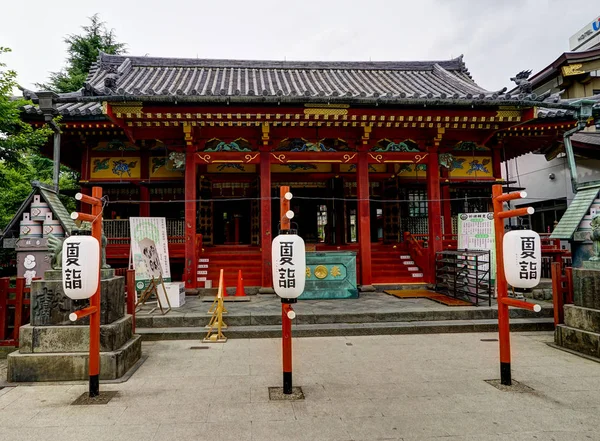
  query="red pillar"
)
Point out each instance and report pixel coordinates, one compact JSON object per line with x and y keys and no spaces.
{"x":497,"y":163}
{"x":434,"y":211}
{"x":446,"y":205}
{"x":265,"y":218}
{"x":191,"y":181}
{"x":145,"y":201}
{"x":364,"y":223}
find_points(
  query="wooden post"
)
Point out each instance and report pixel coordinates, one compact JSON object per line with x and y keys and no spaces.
{"x":19,"y":293}
{"x":497,"y":163}
{"x":94,"y":367}
{"x":557,"y":293}
{"x":434,"y":211}
{"x":446,"y":205}
{"x":131,"y":296}
{"x":191,"y":265}
{"x":284,"y":205}
{"x":265,"y":218}
{"x":4,"y":286}
{"x":145,"y":201}
{"x":364,"y":224}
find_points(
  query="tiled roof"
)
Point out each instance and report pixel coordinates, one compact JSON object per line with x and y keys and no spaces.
{"x":122,"y":78}
{"x":586,"y":138}
{"x":575,"y":212}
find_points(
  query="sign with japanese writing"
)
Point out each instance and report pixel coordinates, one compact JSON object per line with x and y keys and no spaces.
{"x":289,"y":265}
{"x":155,"y":229}
{"x":522,"y":258}
{"x":476,"y":232}
{"x":151,"y":258}
{"x":80,"y":266}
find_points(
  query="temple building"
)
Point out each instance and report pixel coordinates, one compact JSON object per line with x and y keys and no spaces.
{"x":381,"y":156}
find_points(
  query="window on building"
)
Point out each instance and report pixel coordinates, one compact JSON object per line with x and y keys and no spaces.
{"x":417,"y":203}
{"x":322,"y":222}
{"x":469,"y":200}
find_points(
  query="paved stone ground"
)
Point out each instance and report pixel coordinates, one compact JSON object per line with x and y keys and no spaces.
{"x":406,"y":387}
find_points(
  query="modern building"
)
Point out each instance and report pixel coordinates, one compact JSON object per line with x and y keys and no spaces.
{"x":381,"y":156}
{"x":586,"y":38}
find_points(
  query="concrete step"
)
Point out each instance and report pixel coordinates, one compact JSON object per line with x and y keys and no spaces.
{"x":585,"y":319}
{"x":349,"y":329}
{"x":175,"y":319}
{"x":578,"y":340}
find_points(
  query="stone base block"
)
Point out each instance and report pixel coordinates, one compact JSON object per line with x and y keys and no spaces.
{"x":585,"y":342}
{"x":70,"y":366}
{"x":586,"y":287}
{"x":61,"y":339}
{"x":585,"y":319}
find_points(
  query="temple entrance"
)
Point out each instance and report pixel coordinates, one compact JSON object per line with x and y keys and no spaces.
{"x":232,"y":220}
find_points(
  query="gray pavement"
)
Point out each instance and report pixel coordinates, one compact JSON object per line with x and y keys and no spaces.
{"x":401,"y":387}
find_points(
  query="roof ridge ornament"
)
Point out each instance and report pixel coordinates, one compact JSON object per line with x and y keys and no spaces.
{"x":522,"y":82}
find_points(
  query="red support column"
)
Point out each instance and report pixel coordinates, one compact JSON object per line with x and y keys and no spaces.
{"x":191,"y":181}
{"x":497,"y":163}
{"x":364,"y":223}
{"x":145,"y":201}
{"x":265,"y":218}
{"x":446,"y":205}
{"x":434,"y":211}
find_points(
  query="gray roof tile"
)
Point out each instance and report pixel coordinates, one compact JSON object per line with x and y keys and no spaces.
{"x":575,"y":212}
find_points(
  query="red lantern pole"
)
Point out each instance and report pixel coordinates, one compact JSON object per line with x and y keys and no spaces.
{"x":94,"y":309}
{"x":498,"y":198}
{"x":286,"y":307}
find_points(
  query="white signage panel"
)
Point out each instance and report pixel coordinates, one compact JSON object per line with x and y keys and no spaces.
{"x":522,"y":258}
{"x":155,"y":229}
{"x":476,"y":232}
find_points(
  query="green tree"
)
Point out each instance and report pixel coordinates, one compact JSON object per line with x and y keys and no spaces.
{"x":83,"y":50}
{"x":16,"y":137}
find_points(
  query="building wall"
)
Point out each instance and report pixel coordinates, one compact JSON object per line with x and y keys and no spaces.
{"x":532,"y":172}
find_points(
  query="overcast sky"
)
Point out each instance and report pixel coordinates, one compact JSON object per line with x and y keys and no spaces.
{"x":497,"y":37}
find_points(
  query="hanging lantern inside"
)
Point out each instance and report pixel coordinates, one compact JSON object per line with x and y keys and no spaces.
{"x":80,"y":266}
{"x":522,"y":251}
{"x":289,"y":265}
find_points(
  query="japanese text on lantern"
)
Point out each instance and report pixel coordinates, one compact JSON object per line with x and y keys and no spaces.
{"x":528,"y":263}
{"x":73,"y":275}
{"x":287,"y":275}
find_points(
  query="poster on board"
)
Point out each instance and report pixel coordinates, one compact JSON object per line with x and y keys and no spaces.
{"x":155,"y":230}
{"x":476,"y":232}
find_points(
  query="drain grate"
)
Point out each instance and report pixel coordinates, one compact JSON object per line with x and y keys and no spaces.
{"x":488,"y":339}
{"x":516,"y":386}
{"x":348,"y":344}
{"x":200,"y":347}
{"x":276,"y":394}
{"x":104,"y":397}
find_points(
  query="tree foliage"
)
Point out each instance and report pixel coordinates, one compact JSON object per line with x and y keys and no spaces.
{"x":16,"y":137}
{"x":15,"y":185}
{"x":82,"y":51}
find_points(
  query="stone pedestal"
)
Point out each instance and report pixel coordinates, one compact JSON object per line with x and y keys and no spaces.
{"x":52,"y":348}
{"x":581,"y":330}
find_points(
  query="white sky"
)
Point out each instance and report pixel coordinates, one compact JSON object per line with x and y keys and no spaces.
{"x":497,"y":37}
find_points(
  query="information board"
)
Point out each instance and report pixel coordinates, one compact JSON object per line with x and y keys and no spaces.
{"x":155,"y":229}
{"x":476,"y":232}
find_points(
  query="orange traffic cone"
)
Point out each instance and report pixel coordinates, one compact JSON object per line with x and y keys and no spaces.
{"x":239,"y":292}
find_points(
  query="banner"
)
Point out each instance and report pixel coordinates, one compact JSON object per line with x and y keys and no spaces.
{"x":154,"y":229}
{"x":476,"y":232}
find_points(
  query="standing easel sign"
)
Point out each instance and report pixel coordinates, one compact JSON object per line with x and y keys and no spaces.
{"x":155,"y":229}
{"x":153,"y":268}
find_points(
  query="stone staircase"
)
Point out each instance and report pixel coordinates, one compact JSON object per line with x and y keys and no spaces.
{"x":393,"y":265}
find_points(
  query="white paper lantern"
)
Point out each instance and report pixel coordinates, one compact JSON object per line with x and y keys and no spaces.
{"x":522,"y":258}
{"x":289,"y":265}
{"x":80,"y":266}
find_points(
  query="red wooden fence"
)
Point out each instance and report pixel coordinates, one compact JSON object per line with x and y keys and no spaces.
{"x":15,"y":307}
{"x":562,"y":291}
